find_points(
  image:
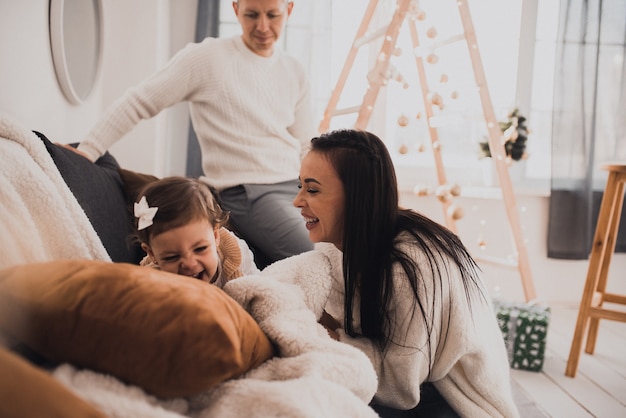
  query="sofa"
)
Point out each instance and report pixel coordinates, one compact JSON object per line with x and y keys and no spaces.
{"x":87,"y":332}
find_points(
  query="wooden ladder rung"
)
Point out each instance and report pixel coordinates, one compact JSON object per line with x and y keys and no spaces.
{"x":347,"y":110}
{"x":604,"y":313}
{"x":504,"y":262}
{"x":614,"y":298}
{"x":425,"y":50}
{"x":369,"y":37}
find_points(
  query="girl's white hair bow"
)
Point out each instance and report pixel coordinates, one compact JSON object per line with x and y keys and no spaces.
{"x":145,"y":213}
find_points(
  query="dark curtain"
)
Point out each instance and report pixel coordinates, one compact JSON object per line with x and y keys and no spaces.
{"x":207,"y":24}
{"x":589,"y":121}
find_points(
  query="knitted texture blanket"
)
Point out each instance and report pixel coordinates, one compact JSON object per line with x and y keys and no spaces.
{"x":41,"y":220}
{"x":313,"y":375}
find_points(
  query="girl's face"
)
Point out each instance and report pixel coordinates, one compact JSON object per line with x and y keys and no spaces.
{"x":321,"y":199}
{"x":190,"y":250}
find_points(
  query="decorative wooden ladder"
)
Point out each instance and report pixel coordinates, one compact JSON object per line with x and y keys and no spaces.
{"x":380,"y":73}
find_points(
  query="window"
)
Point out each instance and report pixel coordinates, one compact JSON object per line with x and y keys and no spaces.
{"x":516,"y":44}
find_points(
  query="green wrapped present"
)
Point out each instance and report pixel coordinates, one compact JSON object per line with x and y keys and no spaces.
{"x":524,"y":327}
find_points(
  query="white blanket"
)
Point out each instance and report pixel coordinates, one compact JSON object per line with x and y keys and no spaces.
{"x":41,"y":220}
{"x":313,"y":376}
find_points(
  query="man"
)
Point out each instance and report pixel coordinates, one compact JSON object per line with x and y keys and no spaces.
{"x":250,"y":106}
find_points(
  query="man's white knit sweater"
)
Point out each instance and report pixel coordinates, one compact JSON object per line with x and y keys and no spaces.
{"x":252,"y":114}
{"x":469,"y":365}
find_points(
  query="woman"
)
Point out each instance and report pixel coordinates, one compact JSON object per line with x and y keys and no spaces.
{"x":405,"y":289}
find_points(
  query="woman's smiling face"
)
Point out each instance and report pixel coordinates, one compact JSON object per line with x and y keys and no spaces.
{"x":321,"y":199}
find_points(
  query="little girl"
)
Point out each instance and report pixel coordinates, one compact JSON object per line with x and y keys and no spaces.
{"x":181,"y":228}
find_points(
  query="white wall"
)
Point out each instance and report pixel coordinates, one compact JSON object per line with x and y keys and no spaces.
{"x":554,"y":280}
{"x":140,"y":36}
{"x":28,"y":86}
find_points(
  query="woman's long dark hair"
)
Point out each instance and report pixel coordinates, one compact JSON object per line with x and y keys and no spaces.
{"x":372,"y":223}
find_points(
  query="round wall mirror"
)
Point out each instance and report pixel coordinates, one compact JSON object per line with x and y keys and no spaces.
{"x":76,"y":43}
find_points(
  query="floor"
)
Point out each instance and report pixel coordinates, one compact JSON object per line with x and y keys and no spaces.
{"x":599,"y":388}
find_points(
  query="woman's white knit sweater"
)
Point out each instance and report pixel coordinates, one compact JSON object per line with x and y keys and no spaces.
{"x":469,"y":367}
{"x":252,"y":114}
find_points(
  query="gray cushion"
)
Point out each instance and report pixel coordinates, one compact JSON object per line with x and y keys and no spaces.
{"x":99,"y":190}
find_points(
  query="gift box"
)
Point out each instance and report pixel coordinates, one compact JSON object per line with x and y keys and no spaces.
{"x":524,"y":327}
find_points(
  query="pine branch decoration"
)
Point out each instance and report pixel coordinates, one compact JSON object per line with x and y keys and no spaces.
{"x":515,"y":134}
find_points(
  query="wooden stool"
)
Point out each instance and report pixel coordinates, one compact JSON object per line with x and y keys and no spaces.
{"x":594,"y":294}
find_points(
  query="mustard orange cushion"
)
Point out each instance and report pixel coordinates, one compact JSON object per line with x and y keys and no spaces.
{"x":168,"y":334}
{"x":26,"y":391}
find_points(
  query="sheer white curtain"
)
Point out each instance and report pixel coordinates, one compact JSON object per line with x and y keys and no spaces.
{"x":588,"y":122}
{"x":308,"y":38}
